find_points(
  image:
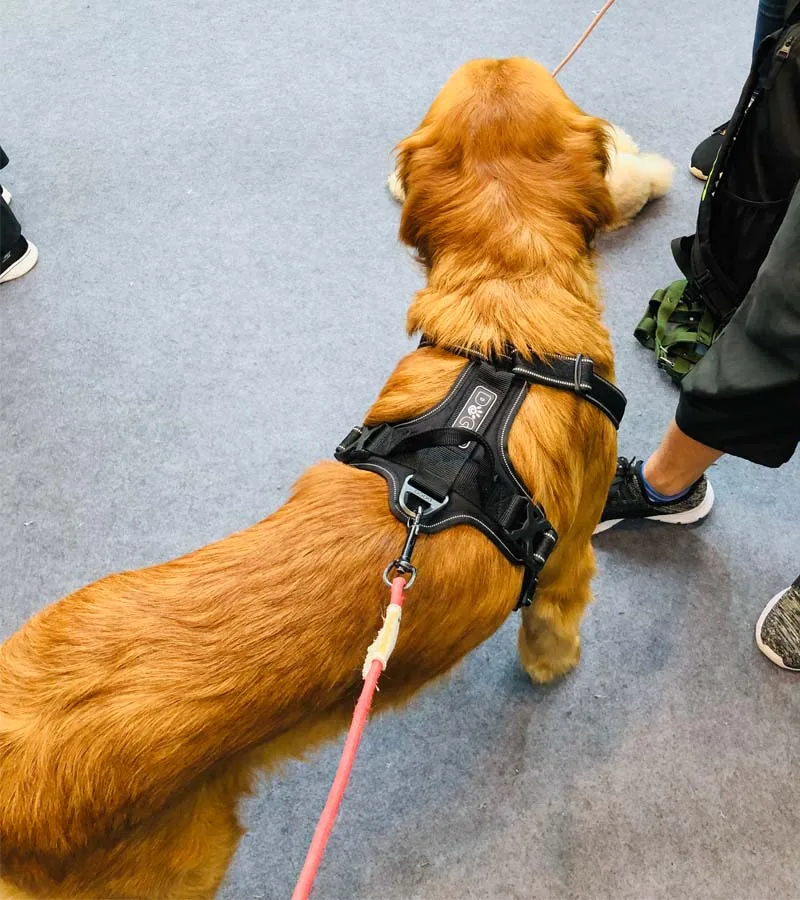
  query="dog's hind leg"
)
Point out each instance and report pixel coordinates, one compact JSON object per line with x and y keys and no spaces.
{"x":549,"y":642}
{"x":182,"y":852}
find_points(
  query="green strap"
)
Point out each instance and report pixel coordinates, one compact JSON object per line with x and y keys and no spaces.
{"x":679,"y":329}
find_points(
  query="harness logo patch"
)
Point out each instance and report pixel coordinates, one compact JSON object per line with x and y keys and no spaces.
{"x":476,"y":409}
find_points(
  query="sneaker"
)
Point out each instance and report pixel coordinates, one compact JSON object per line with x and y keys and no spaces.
{"x":705,"y":153}
{"x":627,"y":500}
{"x":5,"y":193}
{"x":19,"y":260}
{"x":778,"y":629}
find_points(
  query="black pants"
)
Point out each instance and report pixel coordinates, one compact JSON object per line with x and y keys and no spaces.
{"x":9,"y":226}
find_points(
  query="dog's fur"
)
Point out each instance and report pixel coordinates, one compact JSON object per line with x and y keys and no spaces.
{"x":634,"y":178}
{"x":134,"y":711}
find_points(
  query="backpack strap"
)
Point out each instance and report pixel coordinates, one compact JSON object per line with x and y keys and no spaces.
{"x":693,"y":254}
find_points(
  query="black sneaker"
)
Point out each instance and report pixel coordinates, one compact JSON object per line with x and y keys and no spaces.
{"x":18,"y":261}
{"x":706,"y":152}
{"x":627,"y":500}
{"x":5,"y":193}
{"x":778,"y":629}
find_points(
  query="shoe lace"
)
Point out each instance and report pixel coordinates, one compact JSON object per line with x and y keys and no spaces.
{"x":625,"y":477}
{"x":625,"y":465}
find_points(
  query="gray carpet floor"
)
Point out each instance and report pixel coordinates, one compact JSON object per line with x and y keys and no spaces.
{"x":219,"y":297}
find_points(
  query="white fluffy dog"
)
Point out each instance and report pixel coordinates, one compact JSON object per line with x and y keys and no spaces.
{"x":634,"y":178}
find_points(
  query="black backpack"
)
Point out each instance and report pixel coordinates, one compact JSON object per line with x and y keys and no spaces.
{"x":742,"y":207}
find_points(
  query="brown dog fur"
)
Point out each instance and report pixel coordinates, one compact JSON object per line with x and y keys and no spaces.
{"x":134,"y":711}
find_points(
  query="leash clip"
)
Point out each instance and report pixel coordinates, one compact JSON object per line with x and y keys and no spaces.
{"x":402,"y":564}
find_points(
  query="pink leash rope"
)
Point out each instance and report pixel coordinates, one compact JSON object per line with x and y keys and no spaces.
{"x":606,"y":7}
{"x":325,"y":825}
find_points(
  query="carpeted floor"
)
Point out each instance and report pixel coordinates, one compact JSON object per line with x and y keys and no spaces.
{"x":220,"y":294}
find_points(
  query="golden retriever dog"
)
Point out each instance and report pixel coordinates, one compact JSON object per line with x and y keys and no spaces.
{"x":135,"y":711}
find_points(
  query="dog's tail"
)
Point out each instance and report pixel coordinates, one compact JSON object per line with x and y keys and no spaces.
{"x":659,"y":171}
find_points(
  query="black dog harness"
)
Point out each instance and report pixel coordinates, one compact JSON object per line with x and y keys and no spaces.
{"x":450,"y":465}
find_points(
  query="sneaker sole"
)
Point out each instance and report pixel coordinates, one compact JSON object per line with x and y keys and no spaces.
{"x":6,"y":194}
{"x":22,"y":266}
{"x":698,"y":174}
{"x":687,"y":517}
{"x":771,"y":655}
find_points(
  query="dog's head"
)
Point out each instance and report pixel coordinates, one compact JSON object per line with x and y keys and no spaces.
{"x":506,"y":161}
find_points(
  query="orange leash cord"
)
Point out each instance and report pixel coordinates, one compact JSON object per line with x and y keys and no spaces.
{"x":606,"y":7}
{"x":375,"y":663}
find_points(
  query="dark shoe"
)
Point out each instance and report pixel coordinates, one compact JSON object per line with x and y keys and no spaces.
{"x":778,"y":629}
{"x":5,"y":193}
{"x":706,"y":152}
{"x":627,"y":500}
{"x":18,"y":261}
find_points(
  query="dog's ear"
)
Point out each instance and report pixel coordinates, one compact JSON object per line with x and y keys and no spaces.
{"x":580,"y":168}
{"x":589,"y":145}
{"x":428,"y":167}
{"x":398,"y":180}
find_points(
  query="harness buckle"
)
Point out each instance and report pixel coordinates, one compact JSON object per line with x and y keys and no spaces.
{"x":530,"y":582}
{"x":343,"y":451}
{"x":360,"y":442}
{"x":409,"y":490}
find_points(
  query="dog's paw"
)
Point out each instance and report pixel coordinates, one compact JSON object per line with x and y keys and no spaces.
{"x":544,"y":666}
{"x":396,"y":187}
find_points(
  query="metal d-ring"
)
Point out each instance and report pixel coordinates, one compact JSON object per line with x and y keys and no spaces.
{"x":410,"y":489}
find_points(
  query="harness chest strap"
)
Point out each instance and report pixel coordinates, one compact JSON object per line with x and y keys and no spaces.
{"x":452,"y":463}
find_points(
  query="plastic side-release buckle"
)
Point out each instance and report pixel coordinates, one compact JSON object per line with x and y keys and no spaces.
{"x":356,"y":446}
{"x":348,"y":443}
{"x":530,"y":580}
{"x":540,"y":553}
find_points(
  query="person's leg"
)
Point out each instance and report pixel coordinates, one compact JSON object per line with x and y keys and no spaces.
{"x":769,"y":18}
{"x":678,"y":462}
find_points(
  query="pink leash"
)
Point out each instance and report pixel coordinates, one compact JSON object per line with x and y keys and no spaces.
{"x":606,"y":7}
{"x":331,"y":810}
